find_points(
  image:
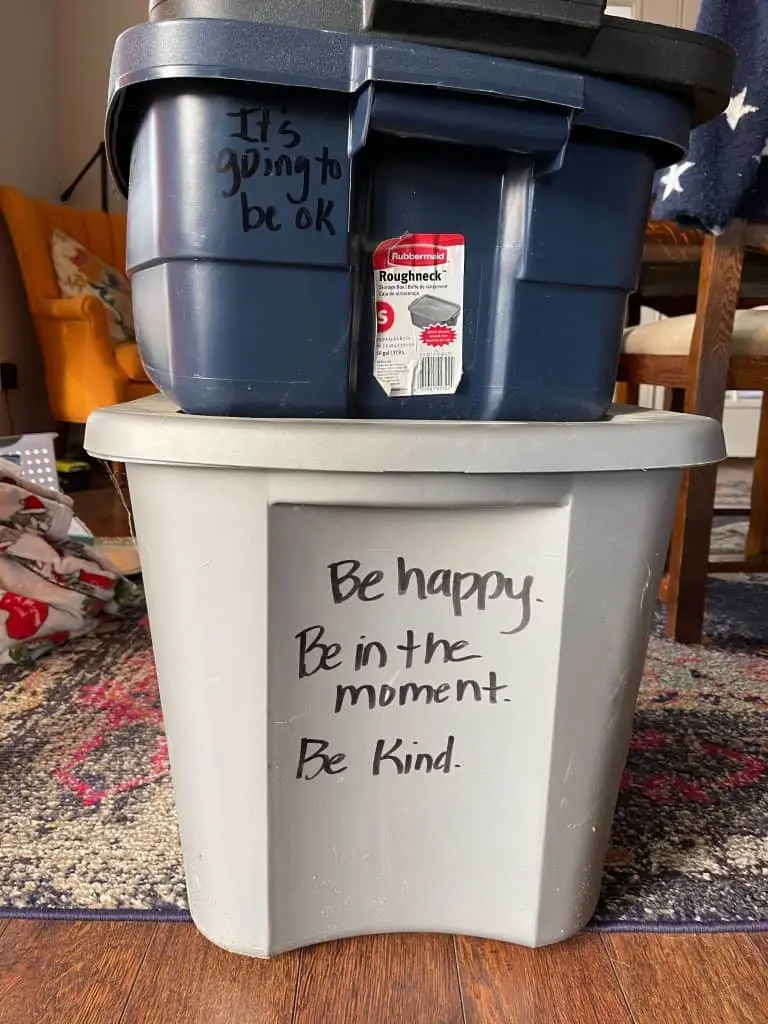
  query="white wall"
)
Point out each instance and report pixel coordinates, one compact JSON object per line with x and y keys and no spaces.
{"x":681,"y":13}
{"x":84,"y":32}
{"x":28,"y":141}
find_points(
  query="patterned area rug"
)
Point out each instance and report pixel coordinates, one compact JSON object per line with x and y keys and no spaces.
{"x":689,"y":848}
{"x":87,"y":820}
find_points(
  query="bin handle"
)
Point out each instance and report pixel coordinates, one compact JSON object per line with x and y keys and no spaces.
{"x":538,"y":130}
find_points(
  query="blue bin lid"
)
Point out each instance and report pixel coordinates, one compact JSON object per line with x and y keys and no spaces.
{"x":238,"y":51}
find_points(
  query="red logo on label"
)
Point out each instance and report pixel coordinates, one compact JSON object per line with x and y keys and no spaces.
{"x":438,"y":335}
{"x":385,"y":317}
{"x":421,"y":250}
{"x":417,"y":256}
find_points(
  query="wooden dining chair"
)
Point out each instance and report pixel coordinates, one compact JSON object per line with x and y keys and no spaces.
{"x":696,"y":358}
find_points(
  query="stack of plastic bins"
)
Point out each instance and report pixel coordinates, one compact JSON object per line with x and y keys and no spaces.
{"x":398,"y":660}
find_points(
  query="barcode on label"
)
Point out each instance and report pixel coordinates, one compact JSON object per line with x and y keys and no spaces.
{"x":436,"y":373}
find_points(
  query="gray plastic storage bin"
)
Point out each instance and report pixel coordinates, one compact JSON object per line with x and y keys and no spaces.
{"x":398,"y":662}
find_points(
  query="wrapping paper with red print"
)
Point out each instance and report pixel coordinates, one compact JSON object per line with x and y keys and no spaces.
{"x":51,"y":588}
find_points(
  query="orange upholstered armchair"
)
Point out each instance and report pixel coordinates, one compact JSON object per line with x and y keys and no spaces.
{"x":84,"y":368}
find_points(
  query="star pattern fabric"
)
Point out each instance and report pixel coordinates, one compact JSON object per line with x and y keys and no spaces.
{"x":738,"y":108}
{"x":725,"y":173}
{"x":671,"y":180}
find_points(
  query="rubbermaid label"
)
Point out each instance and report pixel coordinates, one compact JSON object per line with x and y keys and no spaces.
{"x":419,"y":292}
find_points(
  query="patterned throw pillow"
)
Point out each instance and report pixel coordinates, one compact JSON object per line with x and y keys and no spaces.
{"x":81,"y":273}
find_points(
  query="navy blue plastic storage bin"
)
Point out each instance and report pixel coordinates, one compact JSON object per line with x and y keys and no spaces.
{"x":267,"y":164}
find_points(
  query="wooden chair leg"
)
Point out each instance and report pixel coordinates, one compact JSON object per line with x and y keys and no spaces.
{"x":757,"y":537}
{"x":686,"y":589}
{"x":627,"y":394}
{"x":719,"y":284}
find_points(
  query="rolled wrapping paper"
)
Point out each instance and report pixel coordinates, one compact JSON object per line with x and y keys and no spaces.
{"x":52,"y":588}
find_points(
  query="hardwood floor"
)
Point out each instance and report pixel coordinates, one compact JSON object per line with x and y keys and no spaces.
{"x":97,"y":973}
{"x":668,"y":980}
{"x":106,"y":973}
{"x":571,"y":982}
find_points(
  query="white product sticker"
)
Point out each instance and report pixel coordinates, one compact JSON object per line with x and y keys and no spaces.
{"x":419,"y":292}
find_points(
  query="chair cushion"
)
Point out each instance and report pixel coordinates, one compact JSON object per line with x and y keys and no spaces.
{"x":129,"y":361}
{"x":672,"y":336}
{"x":80,"y":272}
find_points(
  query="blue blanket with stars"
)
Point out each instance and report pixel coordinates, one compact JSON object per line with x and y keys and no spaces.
{"x":725,"y":173}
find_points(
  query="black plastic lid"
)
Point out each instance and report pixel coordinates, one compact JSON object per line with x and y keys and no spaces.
{"x":583,"y":14}
{"x":575,"y":35}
